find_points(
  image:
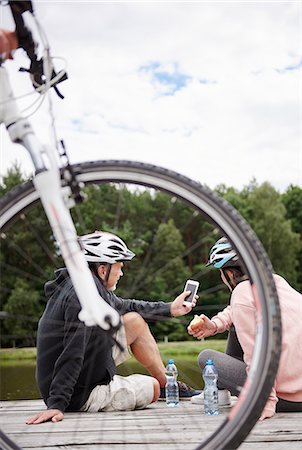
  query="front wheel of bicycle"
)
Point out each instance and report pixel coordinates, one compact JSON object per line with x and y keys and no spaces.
{"x":243,"y":416}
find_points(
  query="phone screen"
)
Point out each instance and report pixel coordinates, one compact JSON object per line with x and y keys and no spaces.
{"x":193,"y":288}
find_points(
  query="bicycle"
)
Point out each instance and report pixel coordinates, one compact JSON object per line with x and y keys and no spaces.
{"x":68,"y":183}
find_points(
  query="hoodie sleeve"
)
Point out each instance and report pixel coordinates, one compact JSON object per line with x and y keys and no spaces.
{"x":147,"y":309}
{"x":223,"y":320}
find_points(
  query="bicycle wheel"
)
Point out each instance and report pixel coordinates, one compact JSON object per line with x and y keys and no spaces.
{"x":219,"y":215}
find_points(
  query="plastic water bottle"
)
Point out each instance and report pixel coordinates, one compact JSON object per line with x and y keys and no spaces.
{"x":210,"y":393}
{"x":172,"y":391}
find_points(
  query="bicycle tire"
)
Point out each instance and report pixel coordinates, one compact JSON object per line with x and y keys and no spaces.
{"x":264,"y":366}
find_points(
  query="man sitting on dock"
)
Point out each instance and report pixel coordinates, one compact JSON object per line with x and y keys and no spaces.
{"x":76,"y":364}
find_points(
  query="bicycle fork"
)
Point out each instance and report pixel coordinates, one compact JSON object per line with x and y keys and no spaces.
{"x":95,"y":310}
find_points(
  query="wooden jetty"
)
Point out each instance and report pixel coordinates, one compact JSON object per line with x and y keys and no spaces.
{"x":155,"y":428}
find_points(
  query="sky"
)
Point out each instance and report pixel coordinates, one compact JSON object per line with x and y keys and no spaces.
{"x":212,"y":90}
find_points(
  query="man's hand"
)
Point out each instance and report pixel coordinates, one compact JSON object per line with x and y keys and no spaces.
{"x":177,"y":306}
{"x":55,"y":415}
{"x":8,"y":43}
{"x":205,"y":329}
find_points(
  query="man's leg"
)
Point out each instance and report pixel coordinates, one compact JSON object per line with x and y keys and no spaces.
{"x":144,"y":347}
{"x":145,"y":350}
{"x":123,"y":394}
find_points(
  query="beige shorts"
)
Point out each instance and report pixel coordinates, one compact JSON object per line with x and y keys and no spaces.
{"x":118,"y":355}
{"x":122,"y":393}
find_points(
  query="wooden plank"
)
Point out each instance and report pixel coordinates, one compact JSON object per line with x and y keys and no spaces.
{"x":103,"y":438}
{"x":154,"y":427}
{"x":129,"y":437}
{"x":269,"y":446}
{"x":244,"y":446}
{"x":120,"y":447}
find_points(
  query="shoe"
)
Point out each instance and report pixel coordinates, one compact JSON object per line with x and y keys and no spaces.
{"x":185,"y":391}
{"x":224,"y":398}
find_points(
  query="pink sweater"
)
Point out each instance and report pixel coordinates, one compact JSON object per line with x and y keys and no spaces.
{"x":241,"y":312}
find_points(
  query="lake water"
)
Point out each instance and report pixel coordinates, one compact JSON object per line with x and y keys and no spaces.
{"x":18,"y":377}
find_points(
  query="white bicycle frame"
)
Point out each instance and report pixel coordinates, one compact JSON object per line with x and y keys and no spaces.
{"x":95,"y":310}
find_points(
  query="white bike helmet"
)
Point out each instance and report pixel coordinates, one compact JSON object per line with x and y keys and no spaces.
{"x":222,"y":255}
{"x":105,"y":248}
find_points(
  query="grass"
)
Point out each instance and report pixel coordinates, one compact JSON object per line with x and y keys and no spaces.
{"x":15,"y":354}
{"x":170,"y":349}
{"x":190,"y":348}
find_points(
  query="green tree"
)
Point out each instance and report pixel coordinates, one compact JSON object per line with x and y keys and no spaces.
{"x":292,"y":200}
{"x":264,"y":210}
{"x":168,"y":276}
{"x":168,"y":262}
{"x":13,"y":178}
{"x":23,"y":309}
{"x":28,"y":255}
{"x":268,"y":218}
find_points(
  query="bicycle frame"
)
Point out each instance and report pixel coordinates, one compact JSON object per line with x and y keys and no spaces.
{"x":95,"y":310}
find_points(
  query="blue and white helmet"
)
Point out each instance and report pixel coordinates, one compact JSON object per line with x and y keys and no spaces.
{"x":222,"y":255}
{"x":103,"y":247}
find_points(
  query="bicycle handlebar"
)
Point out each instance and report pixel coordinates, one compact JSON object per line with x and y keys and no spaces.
{"x":26,"y":41}
{"x":24,"y":35}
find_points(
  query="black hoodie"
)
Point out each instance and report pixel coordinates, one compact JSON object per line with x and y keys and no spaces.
{"x":72,"y":358}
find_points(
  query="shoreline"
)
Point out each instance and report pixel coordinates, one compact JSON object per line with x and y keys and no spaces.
{"x":175,"y":348}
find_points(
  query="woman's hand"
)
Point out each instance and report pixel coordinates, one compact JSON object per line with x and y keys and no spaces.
{"x":204,"y":329}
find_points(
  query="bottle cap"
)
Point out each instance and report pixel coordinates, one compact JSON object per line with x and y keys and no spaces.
{"x":170,"y":361}
{"x":210,"y":362}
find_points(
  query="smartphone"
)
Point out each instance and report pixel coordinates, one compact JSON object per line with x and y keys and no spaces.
{"x":191,"y":285}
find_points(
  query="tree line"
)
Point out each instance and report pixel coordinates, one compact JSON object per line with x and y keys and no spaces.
{"x":170,"y":239}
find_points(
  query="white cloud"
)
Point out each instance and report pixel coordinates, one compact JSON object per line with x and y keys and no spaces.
{"x":236,"y":116}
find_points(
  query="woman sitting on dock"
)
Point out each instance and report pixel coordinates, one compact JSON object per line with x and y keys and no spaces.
{"x":240,"y":319}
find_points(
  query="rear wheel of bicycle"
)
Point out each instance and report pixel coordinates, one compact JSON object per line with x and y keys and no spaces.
{"x":221,"y":216}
